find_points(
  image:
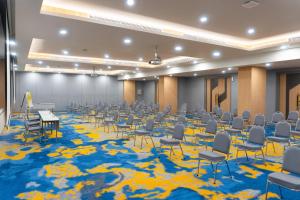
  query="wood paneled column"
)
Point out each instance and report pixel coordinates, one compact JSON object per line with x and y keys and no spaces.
{"x":129,"y":91}
{"x":167,"y":92}
{"x":251,"y":90}
{"x":282,"y":93}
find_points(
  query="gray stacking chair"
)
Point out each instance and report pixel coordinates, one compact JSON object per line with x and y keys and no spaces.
{"x":220,"y":153}
{"x":122,"y":128}
{"x":255,"y":142}
{"x":225,"y":119}
{"x":296,"y":132}
{"x":159,"y":119}
{"x":281,"y":135}
{"x":290,"y":180}
{"x":32,"y":128}
{"x":236,"y":126}
{"x":209,"y":133}
{"x":147,"y":131}
{"x":204,"y":120}
{"x":293,"y":117}
{"x":111,"y":121}
{"x":177,"y":138}
{"x":246,"y":116}
{"x":277,"y":117}
{"x":259,"y":120}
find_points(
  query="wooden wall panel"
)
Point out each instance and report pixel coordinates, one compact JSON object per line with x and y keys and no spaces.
{"x":226,"y":104}
{"x":244,"y":86}
{"x":167,"y":93}
{"x":208,"y":95}
{"x":129,"y":91}
{"x":282,"y":93}
{"x":161,"y":100}
{"x":293,"y":93}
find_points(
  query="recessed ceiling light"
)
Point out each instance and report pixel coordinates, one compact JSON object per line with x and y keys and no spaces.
{"x":229,"y":68}
{"x":108,"y":67}
{"x":168,"y":66}
{"x":251,"y":31}
{"x":171,"y":75}
{"x":63,"y":32}
{"x":40,"y":62}
{"x":76,"y":65}
{"x":15,"y":68}
{"x":178,"y":48}
{"x":203,"y":19}
{"x":141,"y":59}
{"x":65,"y":52}
{"x":15,"y":65}
{"x":12,"y":43}
{"x":127,"y":41}
{"x":268,"y":64}
{"x":106,"y":55}
{"x":282,"y":47}
{"x":223,"y":72}
{"x":216,"y":54}
{"x":144,"y":79}
{"x":130,"y":2}
{"x":13,"y":53}
{"x":195,"y":62}
{"x":195,"y":74}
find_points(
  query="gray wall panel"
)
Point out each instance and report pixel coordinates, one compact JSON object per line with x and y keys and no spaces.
{"x":234,"y":92}
{"x":149,"y":92}
{"x":271,"y":94}
{"x":62,"y":89}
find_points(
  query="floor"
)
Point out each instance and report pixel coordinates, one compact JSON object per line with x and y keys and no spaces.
{"x":87,"y":163}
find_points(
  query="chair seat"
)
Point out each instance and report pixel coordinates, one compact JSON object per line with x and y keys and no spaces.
{"x":249,"y":146}
{"x":278,"y":139}
{"x":211,"y":156}
{"x":142,"y":132}
{"x":224,"y":122}
{"x":233,"y":130}
{"x":170,"y":141}
{"x":200,"y":125}
{"x":34,"y":128}
{"x":123,"y":126}
{"x":285,"y":180}
{"x":295,"y":133}
{"x":204,"y":135}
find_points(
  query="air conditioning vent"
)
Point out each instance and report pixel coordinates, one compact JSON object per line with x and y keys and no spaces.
{"x":250,"y":4}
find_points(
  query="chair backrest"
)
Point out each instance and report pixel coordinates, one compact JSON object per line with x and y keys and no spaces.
{"x":219,"y":112}
{"x":246,"y":115}
{"x":222,"y":143}
{"x":238,"y":123}
{"x":291,"y":160}
{"x":257,"y":135}
{"x":211,"y":126}
{"x":159,"y":117}
{"x":297,"y":127}
{"x":293,"y":116}
{"x":130,"y":120}
{"x":283,"y":129}
{"x":205,"y":117}
{"x":259,"y":120}
{"x":181,"y":119}
{"x":149,"y":125}
{"x":277,"y":117}
{"x":226,"y":116}
{"x":178,"y":131}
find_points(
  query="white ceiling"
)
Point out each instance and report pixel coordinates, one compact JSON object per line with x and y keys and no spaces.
{"x":270,"y":18}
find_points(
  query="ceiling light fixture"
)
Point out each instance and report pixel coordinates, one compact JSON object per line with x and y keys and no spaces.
{"x":216,"y":54}
{"x":130,"y":2}
{"x":251,"y":31}
{"x":178,"y":48}
{"x":13,"y":53}
{"x":229,"y":68}
{"x":168,"y":66}
{"x":283,"y":47}
{"x":65,"y":52}
{"x":195,"y":62}
{"x":195,"y":74}
{"x":76,"y":65}
{"x":15,"y":65}
{"x":40,"y":62}
{"x":12,"y":43}
{"x":108,"y":67}
{"x":223,"y":72}
{"x":203,"y":19}
{"x":106,"y":55}
{"x":127,"y":41}
{"x":141,"y":59}
{"x":63,"y":32}
{"x":268,"y":64}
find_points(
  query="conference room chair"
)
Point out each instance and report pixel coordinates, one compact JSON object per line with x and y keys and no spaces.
{"x":217,"y":112}
{"x":246,"y":117}
{"x":277,"y":117}
{"x":209,"y":132}
{"x":159,"y":119}
{"x":125,"y":127}
{"x":176,"y":140}
{"x":296,"y":132}
{"x":145,"y":132}
{"x":204,"y":120}
{"x":293,"y":117}
{"x":111,"y":120}
{"x":255,"y":142}
{"x":259,"y":120}
{"x":32,"y":128}
{"x":236,"y":127}
{"x":225,"y":119}
{"x":291,"y":178}
{"x":219,"y":153}
{"x":281,"y":135}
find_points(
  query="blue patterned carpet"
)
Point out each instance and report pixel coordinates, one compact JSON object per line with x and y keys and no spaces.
{"x":88,"y":163}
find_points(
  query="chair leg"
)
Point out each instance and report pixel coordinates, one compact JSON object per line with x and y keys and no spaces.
{"x":228,"y":168}
{"x":134,"y":140}
{"x":267,"y":190}
{"x":181,"y":150}
{"x":216,"y":169}
{"x":280,"y":192}
{"x":246,"y":155}
{"x":198,"y":167}
{"x":273,"y":147}
{"x":263,"y":155}
{"x":142,"y":142}
{"x":152,"y":142}
{"x":170,"y":152}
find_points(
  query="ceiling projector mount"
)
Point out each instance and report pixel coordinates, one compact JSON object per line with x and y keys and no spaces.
{"x":157,"y":59}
